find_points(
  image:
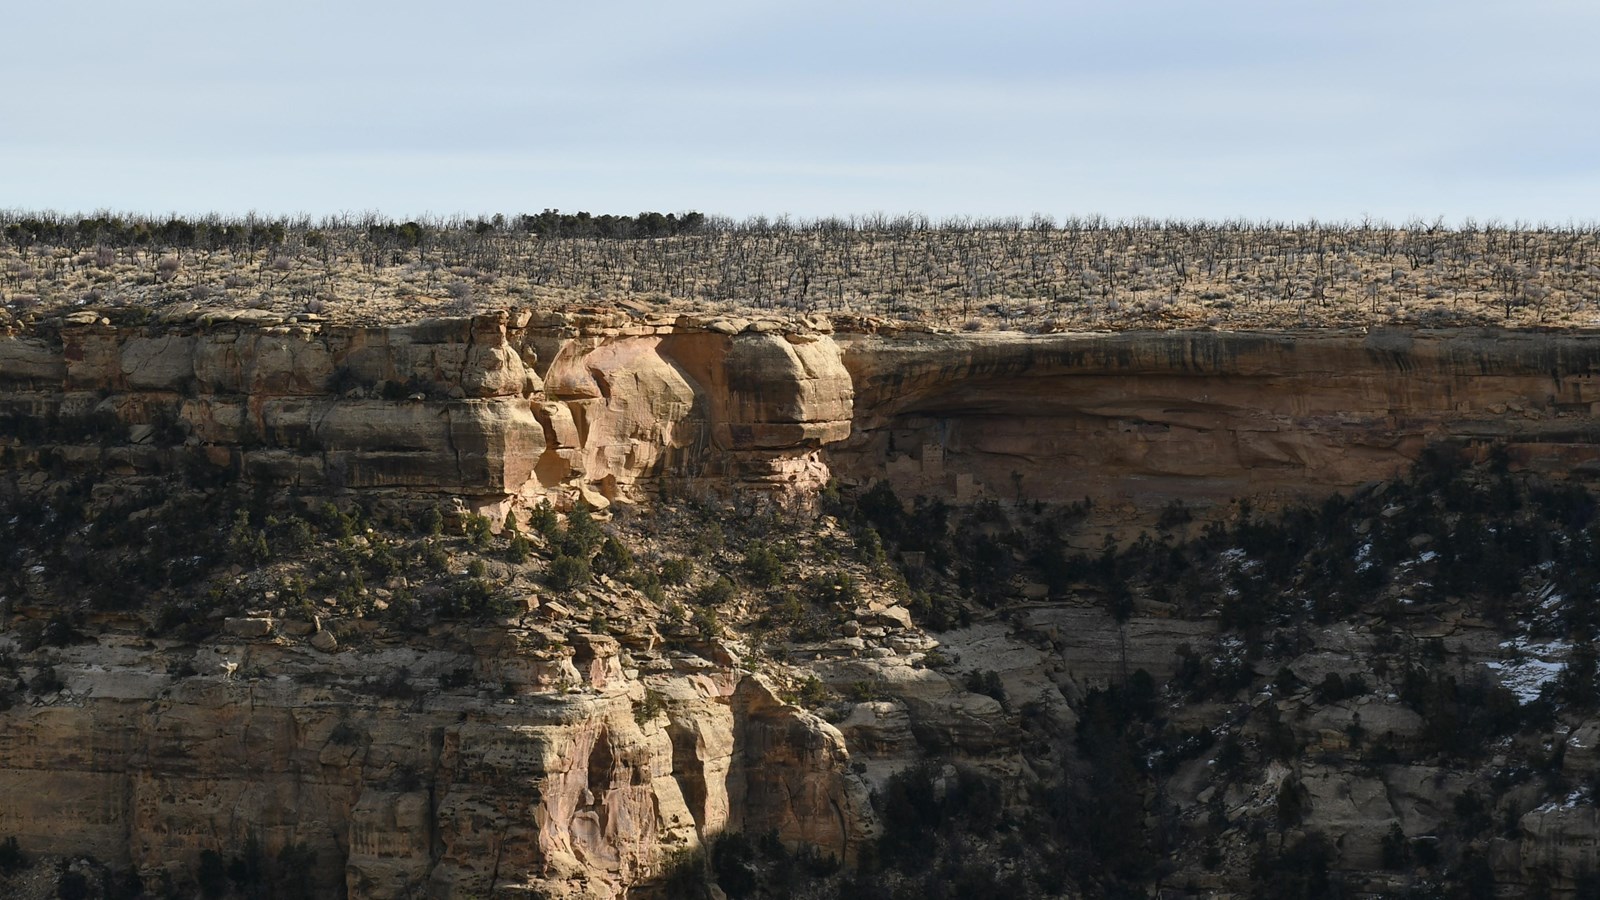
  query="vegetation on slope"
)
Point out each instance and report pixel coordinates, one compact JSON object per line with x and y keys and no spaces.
{"x":1464,"y":595}
{"x":1037,"y":274}
{"x":1474,"y":593}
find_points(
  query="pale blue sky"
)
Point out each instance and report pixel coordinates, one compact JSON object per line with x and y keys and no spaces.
{"x":1287,"y":109}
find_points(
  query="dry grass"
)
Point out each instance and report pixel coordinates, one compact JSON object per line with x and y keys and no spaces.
{"x":1080,"y":276}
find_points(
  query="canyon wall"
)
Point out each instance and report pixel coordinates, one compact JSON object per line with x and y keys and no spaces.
{"x":550,"y":772}
{"x":554,"y":785}
{"x":1135,"y":421}
{"x":506,"y":406}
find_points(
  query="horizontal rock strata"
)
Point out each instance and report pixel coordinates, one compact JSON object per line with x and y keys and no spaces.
{"x":504,"y":406}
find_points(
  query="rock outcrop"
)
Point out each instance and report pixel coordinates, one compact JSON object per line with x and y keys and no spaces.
{"x":398,"y":787}
{"x":753,"y":409}
{"x":445,"y":406}
{"x":438,"y":406}
{"x":504,"y":406}
{"x":557,"y":765}
{"x":1135,"y":421}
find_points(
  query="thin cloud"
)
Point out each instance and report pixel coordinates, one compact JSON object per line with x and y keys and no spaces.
{"x":1152,"y":107}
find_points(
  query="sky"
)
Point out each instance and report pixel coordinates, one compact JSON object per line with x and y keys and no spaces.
{"x":1211,"y":109}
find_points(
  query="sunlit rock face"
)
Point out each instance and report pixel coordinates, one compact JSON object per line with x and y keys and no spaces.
{"x":509,"y":406}
{"x":563,"y":788}
{"x":435,"y":407}
{"x":622,"y":412}
{"x":557,"y":778}
{"x":1135,"y":421}
{"x":464,"y":406}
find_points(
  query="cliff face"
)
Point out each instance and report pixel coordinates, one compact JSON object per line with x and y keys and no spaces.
{"x":621,"y":410}
{"x":1135,"y":421}
{"x":562,"y":778}
{"x":446,"y":406}
{"x":504,"y":406}
{"x":439,"y":406}
{"x":403,"y":786}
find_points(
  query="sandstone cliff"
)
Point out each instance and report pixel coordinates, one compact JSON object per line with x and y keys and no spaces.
{"x":1135,"y":421}
{"x":564,"y":762}
{"x":149,"y":753}
{"x":504,"y":406}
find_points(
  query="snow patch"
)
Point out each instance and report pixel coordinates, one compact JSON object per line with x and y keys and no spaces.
{"x":1570,"y":802}
{"x":1533,"y":666}
{"x":1364,"y":557}
{"x":1547,"y":596}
